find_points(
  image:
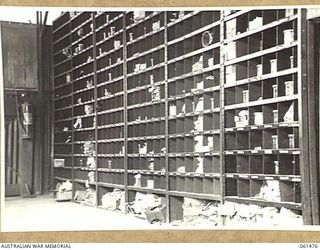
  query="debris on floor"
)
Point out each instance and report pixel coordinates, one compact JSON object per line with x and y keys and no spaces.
{"x":241,"y":215}
{"x":148,"y":206}
{"x":210,"y":214}
{"x":199,"y":212}
{"x":114,"y":200}
{"x":64,"y":191}
{"x":86,"y":197}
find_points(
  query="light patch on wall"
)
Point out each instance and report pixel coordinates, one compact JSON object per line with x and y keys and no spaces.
{"x":27,"y":14}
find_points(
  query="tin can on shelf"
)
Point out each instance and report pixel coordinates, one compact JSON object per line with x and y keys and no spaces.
{"x":151,"y":79}
{"x":259,"y":70}
{"x":109,"y":164}
{"x":245,"y":96}
{"x":212,"y":102}
{"x":275,"y":142}
{"x":289,"y":88}
{"x":291,"y":141}
{"x":276,"y":167}
{"x":291,"y":62}
{"x":258,"y":118}
{"x":68,"y":78}
{"x":131,"y":37}
{"x":275,"y":90}
{"x":275,"y":116}
{"x":210,"y":62}
{"x":273,"y":66}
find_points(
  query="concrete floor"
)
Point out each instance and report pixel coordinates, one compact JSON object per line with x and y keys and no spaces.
{"x":46,"y":214}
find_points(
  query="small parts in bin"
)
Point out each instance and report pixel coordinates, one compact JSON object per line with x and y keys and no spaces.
{"x":67,"y":52}
{"x":142,"y":148}
{"x":242,"y":119}
{"x":198,"y":65}
{"x":89,"y":84}
{"x":68,"y":139}
{"x":78,"y":123}
{"x":107,"y":93}
{"x":89,"y":148}
{"x":155,"y":93}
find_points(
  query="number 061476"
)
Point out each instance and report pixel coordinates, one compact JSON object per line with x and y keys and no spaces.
{"x":305,"y":246}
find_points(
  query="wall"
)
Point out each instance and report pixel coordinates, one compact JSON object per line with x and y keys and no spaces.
{"x":27,"y":77}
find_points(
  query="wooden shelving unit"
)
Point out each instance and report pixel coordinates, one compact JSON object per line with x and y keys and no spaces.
{"x":200,"y":104}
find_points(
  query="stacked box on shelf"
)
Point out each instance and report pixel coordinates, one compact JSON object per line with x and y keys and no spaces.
{"x":261,"y":107}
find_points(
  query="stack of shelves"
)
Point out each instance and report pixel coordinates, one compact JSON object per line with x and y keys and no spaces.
{"x":63,"y":92}
{"x":109,"y":44}
{"x":193,"y":107}
{"x":261,"y":107}
{"x":198,"y":104}
{"x":146,"y":102}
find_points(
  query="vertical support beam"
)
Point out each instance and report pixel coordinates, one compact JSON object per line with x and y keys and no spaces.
{"x":2,"y":132}
{"x":303,"y":122}
{"x":72,"y":114}
{"x":166,"y":114}
{"x":222,"y":125}
{"x":95,"y":96}
{"x":39,"y":114}
{"x":52,"y":109}
{"x":125,"y":106}
{"x":312,"y":120}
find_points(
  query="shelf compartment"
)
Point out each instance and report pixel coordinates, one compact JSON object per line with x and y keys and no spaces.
{"x":231,"y":187}
{"x":111,"y":177}
{"x":84,"y":135}
{"x":110,"y":163}
{"x":103,"y":190}
{"x":111,"y":133}
{"x":243,"y":187}
{"x":245,"y":33}
{"x":63,"y":173}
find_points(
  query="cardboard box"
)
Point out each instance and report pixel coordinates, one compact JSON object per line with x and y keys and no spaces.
{"x":59,"y":163}
{"x":289,"y":88}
